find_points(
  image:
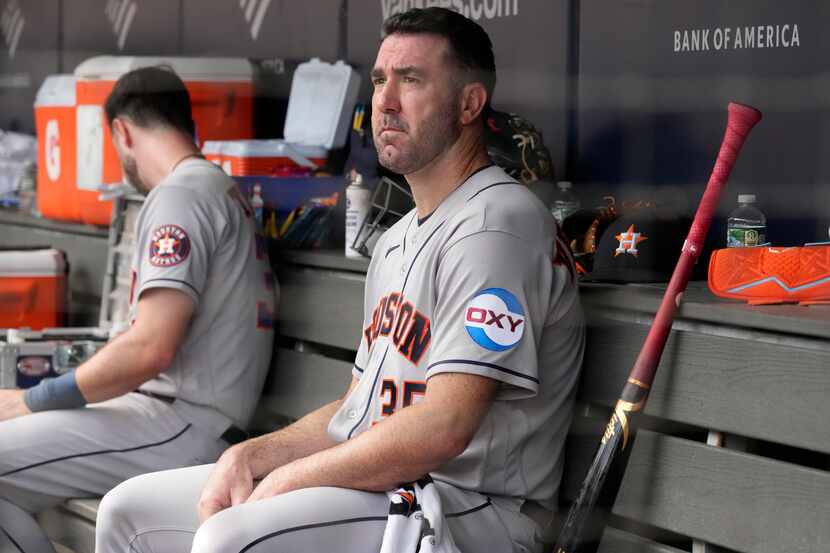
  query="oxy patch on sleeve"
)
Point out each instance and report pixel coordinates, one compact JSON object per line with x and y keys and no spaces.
{"x":495,"y":319}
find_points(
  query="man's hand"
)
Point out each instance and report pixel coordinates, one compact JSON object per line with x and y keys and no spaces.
{"x":230,"y":483}
{"x":12,"y":405}
{"x":279,"y":481}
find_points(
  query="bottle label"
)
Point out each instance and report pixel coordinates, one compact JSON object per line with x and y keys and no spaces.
{"x":740,"y":237}
{"x":562,"y":210}
{"x":358,"y":203}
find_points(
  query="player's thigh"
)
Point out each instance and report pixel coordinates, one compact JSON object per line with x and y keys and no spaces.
{"x":85,"y":452}
{"x":310,"y":520}
{"x":152,"y":512}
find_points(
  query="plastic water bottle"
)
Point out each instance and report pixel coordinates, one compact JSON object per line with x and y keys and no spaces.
{"x":358,"y":199}
{"x":746,"y":225}
{"x":564,"y":202}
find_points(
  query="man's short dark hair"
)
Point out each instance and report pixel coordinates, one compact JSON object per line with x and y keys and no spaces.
{"x":152,"y":96}
{"x":470,"y":46}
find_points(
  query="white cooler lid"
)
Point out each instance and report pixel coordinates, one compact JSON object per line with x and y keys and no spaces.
{"x":213,"y":147}
{"x":32,"y":263}
{"x":298,"y":153}
{"x":56,"y":91}
{"x":321,"y":103}
{"x":110,"y":68}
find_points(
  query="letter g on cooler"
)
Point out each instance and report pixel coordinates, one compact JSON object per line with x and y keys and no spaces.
{"x":495,"y":319}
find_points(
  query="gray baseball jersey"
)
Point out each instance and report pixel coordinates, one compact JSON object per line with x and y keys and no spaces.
{"x":195,"y":233}
{"x":483,"y":286}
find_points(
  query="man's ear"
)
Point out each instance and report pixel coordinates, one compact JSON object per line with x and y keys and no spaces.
{"x":122,"y":134}
{"x":473,"y":100}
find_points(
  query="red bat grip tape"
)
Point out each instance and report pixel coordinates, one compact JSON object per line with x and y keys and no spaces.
{"x":740,"y":121}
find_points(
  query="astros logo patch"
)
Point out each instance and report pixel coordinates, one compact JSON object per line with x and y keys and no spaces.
{"x":628,"y":241}
{"x":494,"y":319}
{"x":169,"y":245}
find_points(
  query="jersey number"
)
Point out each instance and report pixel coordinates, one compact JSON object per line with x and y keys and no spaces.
{"x":389,"y":393}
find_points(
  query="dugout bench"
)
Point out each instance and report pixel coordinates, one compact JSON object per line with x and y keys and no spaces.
{"x":756,"y":379}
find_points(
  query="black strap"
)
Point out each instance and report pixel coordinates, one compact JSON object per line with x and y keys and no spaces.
{"x":161,"y":397}
{"x":233,"y":435}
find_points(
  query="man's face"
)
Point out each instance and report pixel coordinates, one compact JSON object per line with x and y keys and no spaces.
{"x":415,"y":105}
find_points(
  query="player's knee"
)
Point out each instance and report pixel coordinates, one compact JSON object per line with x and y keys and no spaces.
{"x":116,"y":510}
{"x":112,"y":511}
{"x":216,"y":535}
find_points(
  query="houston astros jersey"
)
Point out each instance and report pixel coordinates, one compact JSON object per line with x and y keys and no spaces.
{"x":483,"y":286}
{"x":195,"y":233}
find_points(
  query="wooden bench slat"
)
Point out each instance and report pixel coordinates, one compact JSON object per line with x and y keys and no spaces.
{"x":743,"y":502}
{"x":75,"y":531}
{"x":325,"y":307}
{"x":84,"y":508}
{"x":768,"y":391}
{"x":618,"y":541}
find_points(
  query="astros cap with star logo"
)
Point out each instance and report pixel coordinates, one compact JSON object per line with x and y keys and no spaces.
{"x":640,"y":247}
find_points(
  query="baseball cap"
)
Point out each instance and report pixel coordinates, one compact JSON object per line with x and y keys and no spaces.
{"x":640,"y":247}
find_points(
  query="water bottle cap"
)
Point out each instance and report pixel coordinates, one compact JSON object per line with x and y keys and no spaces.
{"x":564,"y":185}
{"x":746,"y":198}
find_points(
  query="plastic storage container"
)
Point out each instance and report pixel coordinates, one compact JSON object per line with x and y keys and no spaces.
{"x":244,"y":158}
{"x":212,"y":150}
{"x":32,"y":288}
{"x":57,"y":193}
{"x":221,"y":96}
{"x":320,"y":106}
{"x":321,"y":103}
{"x":28,"y":356}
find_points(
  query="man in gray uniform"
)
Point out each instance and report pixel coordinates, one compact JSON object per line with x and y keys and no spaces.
{"x":472,"y":342}
{"x":178,"y":385}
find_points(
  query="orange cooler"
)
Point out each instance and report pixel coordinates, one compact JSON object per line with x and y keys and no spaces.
{"x":243,"y":158}
{"x":221,"y":94}
{"x":212,"y":150}
{"x":320,"y":107}
{"x":32,"y":288}
{"x":57,"y":194}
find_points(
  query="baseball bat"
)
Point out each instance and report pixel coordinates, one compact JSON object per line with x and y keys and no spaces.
{"x":740,"y":121}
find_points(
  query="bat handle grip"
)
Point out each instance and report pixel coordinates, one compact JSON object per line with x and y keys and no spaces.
{"x":739,"y":123}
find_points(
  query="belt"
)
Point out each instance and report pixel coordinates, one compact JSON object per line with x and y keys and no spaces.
{"x":233,"y":435}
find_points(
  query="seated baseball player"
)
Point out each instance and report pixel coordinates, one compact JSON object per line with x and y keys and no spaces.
{"x":466,"y":370}
{"x":177,"y":386}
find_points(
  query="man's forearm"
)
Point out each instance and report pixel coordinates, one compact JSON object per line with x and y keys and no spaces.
{"x":305,"y":437}
{"x":403,"y":448}
{"x":120,"y":367}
